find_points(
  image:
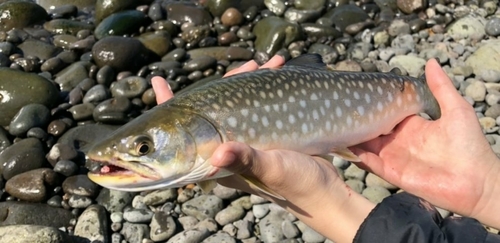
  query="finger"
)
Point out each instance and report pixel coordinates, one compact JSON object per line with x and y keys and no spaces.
{"x":442,"y":87}
{"x":248,"y":66}
{"x":162,"y":89}
{"x":235,"y":157}
{"x":275,"y":61}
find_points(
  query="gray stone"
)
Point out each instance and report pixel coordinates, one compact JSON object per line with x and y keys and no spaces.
{"x":93,"y":224}
{"x":138,"y":215}
{"x":270,"y":228}
{"x":158,"y":197}
{"x":12,"y":213}
{"x":162,"y":226}
{"x":375,"y":194}
{"x":204,"y":206}
{"x":374,"y":180}
{"x":260,"y":210}
{"x":468,"y":27}
{"x":486,"y":57}
{"x":411,"y":64}
{"x":356,"y":185}
{"x":354,"y":172}
{"x":134,"y":233}
{"x":244,"y":229}
{"x":220,"y":237}
{"x":229,"y":215}
{"x":32,"y":233}
{"x":289,"y":229}
{"x":476,"y":90}
{"x":113,"y":200}
{"x":23,"y":156}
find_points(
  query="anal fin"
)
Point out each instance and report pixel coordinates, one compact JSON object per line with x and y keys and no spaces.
{"x":346,"y":154}
{"x":207,"y":186}
{"x":257,"y":185}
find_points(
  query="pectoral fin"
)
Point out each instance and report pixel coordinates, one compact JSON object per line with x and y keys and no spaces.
{"x":207,"y":186}
{"x":257,"y":185}
{"x":346,"y":154}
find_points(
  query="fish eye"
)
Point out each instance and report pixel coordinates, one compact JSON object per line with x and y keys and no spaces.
{"x":142,"y":145}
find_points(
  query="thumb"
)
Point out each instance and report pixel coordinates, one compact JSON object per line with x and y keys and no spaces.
{"x":442,"y":87}
{"x":236,"y":157}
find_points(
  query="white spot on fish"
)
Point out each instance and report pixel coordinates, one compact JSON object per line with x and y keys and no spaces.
{"x":284,"y":107}
{"x":327,"y":86}
{"x":256,"y":103}
{"x":294,"y":84}
{"x":380,"y":90}
{"x":267,"y":86}
{"x":367,"y":98}
{"x":262,"y":94}
{"x":315,"y":115}
{"x":279,"y":92}
{"x":248,"y":102}
{"x":304,"y":128}
{"x":300,"y":114}
{"x":399,"y":101}
{"x":390,"y":97}
{"x":303,"y":91}
{"x":322,"y":110}
{"x":335,"y":95}
{"x":239,"y":95}
{"x":251,"y":132}
{"x":370,"y":116}
{"x":303,"y":103}
{"x":417,"y":97}
{"x":291,"y":119}
{"x":314,"y":96}
{"x":361,"y":110}
{"x":291,"y":99}
{"x":318,"y":84}
{"x":279,"y":124}
{"x":384,"y":81}
{"x":267,"y":108}
{"x":271,"y":95}
{"x":215,"y":106}
{"x":349,"y":121}
{"x":361,"y":84}
{"x":347,"y":91}
{"x":276,"y":107}
{"x":328,"y":125}
{"x":339,"y":85}
{"x":393,"y":85}
{"x":265,"y":121}
{"x":338,"y":111}
{"x":255,"y":118}
{"x":356,"y":95}
{"x":229,"y":103}
{"x":232,"y":122}
{"x":409,"y":96}
{"x":347,"y":102}
{"x":274,"y":136}
{"x":327,"y":104}
{"x":380,"y":106}
{"x":370,"y":86}
{"x":244,"y":112}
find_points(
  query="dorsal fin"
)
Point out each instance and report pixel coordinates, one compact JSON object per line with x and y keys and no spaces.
{"x":307,"y":60}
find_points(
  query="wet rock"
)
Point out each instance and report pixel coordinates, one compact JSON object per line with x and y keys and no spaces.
{"x":82,"y":137}
{"x":93,"y":224}
{"x":18,"y":89}
{"x":31,"y":115}
{"x":76,"y":201}
{"x":158,"y":42}
{"x":278,"y":7}
{"x":19,"y":14}
{"x":180,"y":13}
{"x":71,"y":76}
{"x":217,"y":7}
{"x":200,"y":64}
{"x":231,"y":53}
{"x":37,"y":48}
{"x":141,"y":215}
{"x":130,"y":87}
{"x":411,"y":6}
{"x":346,"y":15}
{"x":492,"y":27}
{"x":32,"y":233}
{"x":13,"y":213}
{"x":80,"y":185}
{"x":220,"y":237}
{"x":162,"y":226}
{"x":160,"y":196}
{"x":32,"y":186}
{"x":134,"y":232}
{"x":55,"y":4}
{"x":104,"y":8}
{"x":231,"y":17}
{"x":66,"y":26}
{"x":302,"y":16}
{"x":109,"y":51}
{"x":23,"y":156}
{"x":113,"y":111}
{"x":193,"y":35}
{"x":121,"y":23}
{"x":320,"y":31}
{"x":4,"y":139}
{"x":274,"y":33}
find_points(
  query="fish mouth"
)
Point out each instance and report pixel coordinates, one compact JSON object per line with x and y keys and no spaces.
{"x":105,"y":170}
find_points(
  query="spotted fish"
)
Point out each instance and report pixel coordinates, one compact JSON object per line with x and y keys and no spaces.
{"x":301,"y":106}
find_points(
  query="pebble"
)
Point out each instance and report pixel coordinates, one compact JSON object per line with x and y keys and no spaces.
{"x":33,"y":185}
{"x":134,"y":233}
{"x":80,"y":185}
{"x":492,"y":27}
{"x":375,"y":194}
{"x":138,"y":215}
{"x":29,"y":213}
{"x":32,"y":233}
{"x":220,"y":237}
{"x":289,"y":229}
{"x":204,"y":206}
{"x":372,"y":180}
{"x":158,"y":197}
{"x":356,"y":185}
{"x":244,"y":229}
{"x":270,"y":228}
{"x":354,"y":172}
{"x":308,"y":234}
{"x":229,"y":215}
{"x":23,"y":156}
{"x":470,"y":26}
{"x":93,"y":224}
{"x":476,"y":90}
{"x":162,"y":226}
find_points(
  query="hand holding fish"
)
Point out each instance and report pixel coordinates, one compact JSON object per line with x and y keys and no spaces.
{"x":447,"y":162}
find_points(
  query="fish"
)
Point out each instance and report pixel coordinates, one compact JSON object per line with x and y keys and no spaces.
{"x":302,"y":106}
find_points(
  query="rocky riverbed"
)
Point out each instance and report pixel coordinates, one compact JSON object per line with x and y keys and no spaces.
{"x":72,"y":71}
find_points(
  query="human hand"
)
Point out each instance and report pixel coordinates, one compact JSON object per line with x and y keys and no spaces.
{"x":447,"y":162}
{"x":319,"y":198}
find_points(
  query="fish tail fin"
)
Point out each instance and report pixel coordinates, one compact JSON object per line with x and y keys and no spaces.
{"x":259,"y":186}
{"x":431,"y":105}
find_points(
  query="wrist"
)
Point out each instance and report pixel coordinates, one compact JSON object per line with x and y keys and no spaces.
{"x":488,"y":202}
{"x":334,"y":210}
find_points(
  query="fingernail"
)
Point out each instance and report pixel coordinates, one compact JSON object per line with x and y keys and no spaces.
{"x":168,"y":85}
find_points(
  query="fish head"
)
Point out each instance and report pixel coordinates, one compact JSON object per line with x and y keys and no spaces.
{"x":163,"y":148}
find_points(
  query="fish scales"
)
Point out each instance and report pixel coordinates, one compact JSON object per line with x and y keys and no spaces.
{"x":300,"y":107}
{"x":294,"y":107}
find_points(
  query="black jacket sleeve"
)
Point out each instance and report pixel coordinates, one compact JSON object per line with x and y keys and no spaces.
{"x":405,"y":218}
